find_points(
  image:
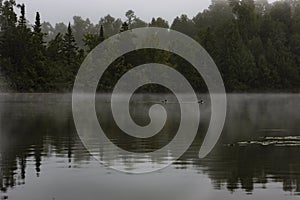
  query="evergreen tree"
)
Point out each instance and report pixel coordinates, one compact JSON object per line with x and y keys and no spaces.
{"x":40,"y":60}
{"x":110,"y":25}
{"x":101,"y":36}
{"x":185,"y":25}
{"x":159,"y":22}
{"x":70,"y":48}
{"x":8,"y":18}
{"x":22,"y":20}
{"x":37,"y":25}
{"x":236,"y":62}
{"x":256,"y":46}
{"x":92,"y":40}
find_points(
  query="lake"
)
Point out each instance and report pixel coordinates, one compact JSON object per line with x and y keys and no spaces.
{"x":257,"y":156}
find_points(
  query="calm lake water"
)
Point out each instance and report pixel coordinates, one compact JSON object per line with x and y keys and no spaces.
{"x":257,"y":156}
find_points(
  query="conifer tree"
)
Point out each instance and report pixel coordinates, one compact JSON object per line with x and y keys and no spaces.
{"x":101,"y":36}
{"x":37,"y":25}
{"x":70,"y":48}
{"x":22,"y":20}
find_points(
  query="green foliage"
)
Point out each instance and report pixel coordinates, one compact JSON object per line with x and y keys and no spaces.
{"x":37,"y":26}
{"x":185,"y":25}
{"x":124,"y":27}
{"x":159,"y":22}
{"x":255,"y":44}
{"x":92,"y":40}
{"x":8,"y":18}
{"x":70,"y":46}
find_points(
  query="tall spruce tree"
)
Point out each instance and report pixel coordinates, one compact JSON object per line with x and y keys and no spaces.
{"x":37,"y":28}
{"x":22,"y":19}
{"x":101,"y":35}
{"x":70,"y":46}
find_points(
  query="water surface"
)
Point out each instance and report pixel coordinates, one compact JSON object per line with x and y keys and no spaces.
{"x":257,"y":156}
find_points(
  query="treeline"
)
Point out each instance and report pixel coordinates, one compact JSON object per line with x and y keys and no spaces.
{"x":255,"y":44}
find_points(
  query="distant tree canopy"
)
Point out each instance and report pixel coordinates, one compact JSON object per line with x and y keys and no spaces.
{"x":255,"y":44}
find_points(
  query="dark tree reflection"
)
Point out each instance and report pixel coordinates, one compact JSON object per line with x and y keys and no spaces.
{"x":36,"y":127}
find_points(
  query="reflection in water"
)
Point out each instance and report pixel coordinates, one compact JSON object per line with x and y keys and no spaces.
{"x":34,"y":127}
{"x":259,"y":146}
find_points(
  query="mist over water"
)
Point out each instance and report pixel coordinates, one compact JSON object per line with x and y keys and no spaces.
{"x":257,"y":156}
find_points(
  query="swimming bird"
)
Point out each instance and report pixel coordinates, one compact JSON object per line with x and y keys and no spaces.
{"x":201,"y":101}
{"x":164,"y":101}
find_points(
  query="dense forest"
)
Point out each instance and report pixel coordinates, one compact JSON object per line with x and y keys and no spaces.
{"x":255,"y":44}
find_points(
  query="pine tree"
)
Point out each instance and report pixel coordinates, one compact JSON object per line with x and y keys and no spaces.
{"x":101,"y":36}
{"x":38,"y":36}
{"x":70,"y":48}
{"x":22,"y":20}
{"x":73,"y":56}
{"x":236,"y":62}
{"x":8,"y":18}
{"x":40,"y":60}
{"x":37,"y":26}
{"x":92,"y":40}
{"x":159,"y":22}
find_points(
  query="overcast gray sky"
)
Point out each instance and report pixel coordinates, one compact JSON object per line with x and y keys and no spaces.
{"x":63,"y":10}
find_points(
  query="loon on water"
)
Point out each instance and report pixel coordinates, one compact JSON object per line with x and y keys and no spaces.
{"x":201,"y":101}
{"x":164,"y":101}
